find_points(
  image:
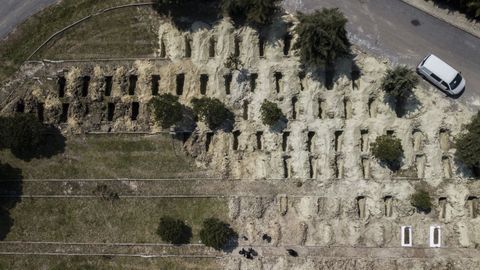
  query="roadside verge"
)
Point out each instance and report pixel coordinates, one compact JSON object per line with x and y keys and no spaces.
{"x":454,"y":18}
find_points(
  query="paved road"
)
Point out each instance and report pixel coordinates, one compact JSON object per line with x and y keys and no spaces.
{"x":13,"y":12}
{"x":385,"y":28}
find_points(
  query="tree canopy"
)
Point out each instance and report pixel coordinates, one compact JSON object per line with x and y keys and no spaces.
{"x":399,"y":84}
{"x":271,"y":113}
{"x":216,"y":233}
{"x":388,"y":149}
{"x":167,"y":110}
{"x":468,"y":143}
{"x":212,"y":111}
{"x":174,"y":231}
{"x":322,"y":37}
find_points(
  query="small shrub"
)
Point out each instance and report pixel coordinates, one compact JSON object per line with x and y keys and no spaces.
{"x":421,"y":200}
{"x":167,"y":110}
{"x":468,"y":144}
{"x":212,"y":111}
{"x":271,"y":114}
{"x":233,"y":62}
{"x":216,"y":233}
{"x":399,"y":84}
{"x":174,"y":231}
{"x":388,"y":149}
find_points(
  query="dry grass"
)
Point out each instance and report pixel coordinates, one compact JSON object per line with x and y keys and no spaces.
{"x":128,"y":32}
{"x":99,"y":220}
{"x":110,"y":156}
{"x":103,"y":263}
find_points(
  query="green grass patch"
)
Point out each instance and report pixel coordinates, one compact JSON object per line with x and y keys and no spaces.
{"x":103,"y":263}
{"x":110,"y":156}
{"x":98,"y":220}
{"x":129,"y":32}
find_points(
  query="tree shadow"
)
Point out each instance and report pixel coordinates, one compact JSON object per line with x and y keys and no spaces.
{"x":453,"y":6}
{"x":330,"y":74}
{"x":181,"y":15}
{"x":10,"y":194}
{"x":53,"y":143}
{"x":232,"y":243}
{"x":280,"y":125}
{"x":185,"y":235}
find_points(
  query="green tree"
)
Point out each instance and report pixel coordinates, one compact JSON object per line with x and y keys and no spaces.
{"x":468,"y":144}
{"x":270,"y":112}
{"x":167,"y":110}
{"x":399,"y":84}
{"x":212,"y":111}
{"x":174,"y":231}
{"x":22,"y":133}
{"x":254,"y":12}
{"x":388,"y":149}
{"x":216,"y":233}
{"x":322,"y":37}
{"x":421,"y":200}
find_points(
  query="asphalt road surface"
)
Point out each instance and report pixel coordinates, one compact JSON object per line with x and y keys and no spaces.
{"x":405,"y":35}
{"x":388,"y":28}
{"x":13,"y":12}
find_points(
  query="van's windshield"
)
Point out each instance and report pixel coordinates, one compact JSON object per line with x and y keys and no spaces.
{"x":456,"y":81}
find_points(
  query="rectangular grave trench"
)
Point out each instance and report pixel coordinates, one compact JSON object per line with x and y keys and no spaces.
{"x":110,"y":111}
{"x":135,"y":111}
{"x":472,"y":205}
{"x":163,"y":48}
{"x":237,"y":45}
{"x":203,"y":84}
{"x":338,"y":140}
{"x":311,"y":167}
{"x":444,"y":139}
{"x":228,"y":83}
{"x":442,"y":204}
{"x":417,"y":140}
{"x":61,"y":86}
{"x":294,"y":108}
{"x":211,"y":47}
{"x":285,"y":136}
{"x":259,"y":136}
{"x":286,"y":167}
{"x":64,"y":115}
{"x":366,"y":167}
{"x":372,"y":107}
{"x":338,"y":167}
{"x":261,"y":46}
{"x":253,"y":82}
{"x":132,"y":84}
{"x":361,"y":207}
{"x":180,"y":83}
{"x":364,"y":140}
{"x":236,"y":135}
{"x":108,"y":80}
{"x":85,"y":85}
{"x":321,"y":108}
{"x":348,"y":109}
{"x":245,"y":110}
{"x":388,"y":205}
{"x":446,"y":165}
{"x":208,"y":141}
{"x":278,"y":78}
{"x":188,"y":47}
{"x":155,"y":80}
{"x":310,"y":137}
{"x":287,"y":44}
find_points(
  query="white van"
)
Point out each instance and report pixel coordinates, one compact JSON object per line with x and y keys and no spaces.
{"x":441,"y":74}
